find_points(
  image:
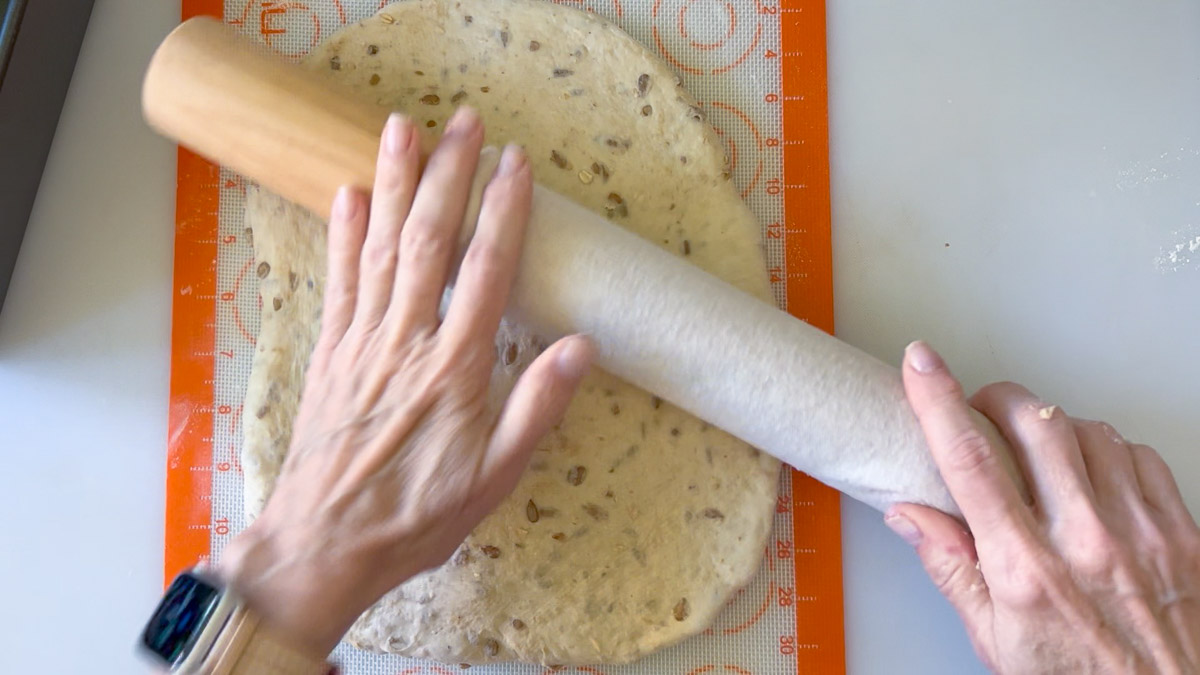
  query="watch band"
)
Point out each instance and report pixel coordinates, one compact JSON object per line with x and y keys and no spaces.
{"x":245,"y":647}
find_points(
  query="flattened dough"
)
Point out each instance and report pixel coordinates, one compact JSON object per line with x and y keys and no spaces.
{"x":635,"y":522}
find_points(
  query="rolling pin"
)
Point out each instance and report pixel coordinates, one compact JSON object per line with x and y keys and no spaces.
{"x":659,"y":322}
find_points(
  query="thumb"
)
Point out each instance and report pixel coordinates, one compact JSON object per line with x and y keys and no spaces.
{"x":536,"y":404}
{"x":948,"y":554}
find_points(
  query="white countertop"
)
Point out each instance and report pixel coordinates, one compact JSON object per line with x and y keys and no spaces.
{"x":1017,"y":183}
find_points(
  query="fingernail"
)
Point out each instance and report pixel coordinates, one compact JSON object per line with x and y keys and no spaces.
{"x":512,"y":161}
{"x":922,"y":358}
{"x":345,"y":206}
{"x":396,"y":135}
{"x":575,"y":357}
{"x":904,"y":528}
{"x":462,"y":121}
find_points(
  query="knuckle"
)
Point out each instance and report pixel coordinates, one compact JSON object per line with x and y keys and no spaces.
{"x":995,"y":390}
{"x":380,"y":257}
{"x":484,"y":258}
{"x":952,"y":576}
{"x":422,"y":242}
{"x":1146,"y":454}
{"x":1027,"y":578}
{"x":1092,"y":549}
{"x":998,"y":393}
{"x":1035,"y":415}
{"x":1099,"y":431}
{"x":1153,"y":543}
{"x":968,"y":452}
{"x":1045,"y":423}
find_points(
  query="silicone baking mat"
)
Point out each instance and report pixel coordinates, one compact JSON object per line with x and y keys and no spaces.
{"x":758,"y":69}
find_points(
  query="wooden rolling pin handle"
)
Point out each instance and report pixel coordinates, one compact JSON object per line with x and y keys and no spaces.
{"x":298,"y":133}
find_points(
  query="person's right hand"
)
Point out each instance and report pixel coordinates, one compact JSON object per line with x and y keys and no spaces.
{"x":1101,"y":574}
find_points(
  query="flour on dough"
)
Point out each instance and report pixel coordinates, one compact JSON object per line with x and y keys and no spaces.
{"x":635,"y":522}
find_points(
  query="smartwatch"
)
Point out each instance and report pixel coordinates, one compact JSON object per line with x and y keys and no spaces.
{"x":201,"y":627}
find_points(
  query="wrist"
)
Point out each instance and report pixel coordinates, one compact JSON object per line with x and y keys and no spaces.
{"x":292,"y":595}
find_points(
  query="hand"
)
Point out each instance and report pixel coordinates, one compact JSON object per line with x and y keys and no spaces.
{"x":395,"y":456}
{"x":1100,"y":574}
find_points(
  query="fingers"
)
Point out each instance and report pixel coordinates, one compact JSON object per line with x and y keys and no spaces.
{"x":430,"y":234}
{"x":487,"y":271}
{"x":1158,"y":486}
{"x":1044,"y":443}
{"x":347,"y":230}
{"x":948,"y":554}
{"x":536,"y":404}
{"x":396,"y":177}
{"x":973,"y":472}
{"x":1109,"y":465}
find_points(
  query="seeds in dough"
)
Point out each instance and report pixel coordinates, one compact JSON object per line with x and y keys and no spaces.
{"x":531,"y":512}
{"x":601,"y":170}
{"x":490,"y":551}
{"x":264,"y":268}
{"x":596,"y":512}
{"x":576,"y":474}
{"x":643,"y":85}
{"x":681,"y":609}
{"x":560,"y":161}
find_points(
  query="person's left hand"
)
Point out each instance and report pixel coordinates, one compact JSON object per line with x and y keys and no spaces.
{"x":1099,"y":574}
{"x":395,"y":456}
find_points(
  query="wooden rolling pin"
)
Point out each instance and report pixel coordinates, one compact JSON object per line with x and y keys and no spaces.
{"x":661,"y":323}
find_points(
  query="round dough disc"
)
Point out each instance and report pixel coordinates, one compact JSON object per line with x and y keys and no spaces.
{"x":635,"y":522}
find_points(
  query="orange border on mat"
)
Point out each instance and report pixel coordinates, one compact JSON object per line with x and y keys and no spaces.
{"x":808,"y":278}
{"x":193,"y":315}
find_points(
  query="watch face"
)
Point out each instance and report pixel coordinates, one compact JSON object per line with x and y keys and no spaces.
{"x":180,"y":617}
